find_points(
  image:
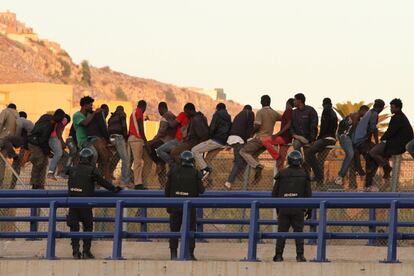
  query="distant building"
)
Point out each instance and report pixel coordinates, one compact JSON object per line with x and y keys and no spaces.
{"x":216,"y":94}
{"x":14,"y":29}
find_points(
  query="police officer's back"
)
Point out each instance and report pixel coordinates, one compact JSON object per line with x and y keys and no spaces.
{"x":292,"y":182}
{"x":81,"y":183}
{"x":183,"y":180}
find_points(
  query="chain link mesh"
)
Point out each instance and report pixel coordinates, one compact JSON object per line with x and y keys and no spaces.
{"x":221,"y":164}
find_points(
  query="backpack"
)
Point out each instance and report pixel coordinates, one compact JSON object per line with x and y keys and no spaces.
{"x":345,"y":126}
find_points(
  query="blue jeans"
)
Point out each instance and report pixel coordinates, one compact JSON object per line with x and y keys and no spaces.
{"x":56,"y":146}
{"x":164,"y":151}
{"x":121,"y":147}
{"x":410,"y":147}
{"x":347,"y":145}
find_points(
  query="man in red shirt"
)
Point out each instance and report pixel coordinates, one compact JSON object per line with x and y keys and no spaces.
{"x":282,"y":138}
{"x":181,"y":124}
{"x":137,"y":142}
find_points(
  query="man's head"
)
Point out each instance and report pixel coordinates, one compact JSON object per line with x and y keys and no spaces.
{"x":58,"y":115}
{"x":86,"y":156}
{"x":300,"y":100}
{"x":248,"y":107}
{"x":187,"y":159}
{"x":265,"y":100}
{"x":220,"y":106}
{"x":86,"y":104}
{"x":67,"y":117}
{"x":363,"y":109}
{"x":162,"y":108}
{"x":327,"y":103}
{"x":295,"y":158}
{"x":119,"y":108}
{"x":12,"y":106}
{"x":189,"y":110}
{"x":105,"y":109}
{"x":23,"y":114}
{"x":142,"y":105}
{"x":379,"y":105}
{"x":290,"y":103}
{"x":396,"y":106}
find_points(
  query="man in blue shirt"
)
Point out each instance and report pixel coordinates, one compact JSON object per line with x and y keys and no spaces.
{"x":362,"y":140}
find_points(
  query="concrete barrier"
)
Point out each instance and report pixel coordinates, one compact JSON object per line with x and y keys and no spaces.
{"x":200,"y":268}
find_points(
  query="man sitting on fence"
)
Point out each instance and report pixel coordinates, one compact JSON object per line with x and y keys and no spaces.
{"x":393,"y":142}
{"x":81,"y":183}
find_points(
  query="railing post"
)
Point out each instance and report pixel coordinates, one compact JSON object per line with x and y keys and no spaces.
{"x":253,"y":232}
{"x":34,"y":225}
{"x":321,"y":248}
{"x":118,"y":233}
{"x":396,"y":169}
{"x":372,"y":216}
{"x":200,"y":225}
{"x":51,"y":234}
{"x":143,"y":213}
{"x":185,"y":232}
{"x":313,"y":228}
{"x":392,"y":234}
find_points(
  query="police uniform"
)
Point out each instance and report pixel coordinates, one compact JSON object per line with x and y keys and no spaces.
{"x":81,"y":183}
{"x":183,"y":181}
{"x":292,"y":182}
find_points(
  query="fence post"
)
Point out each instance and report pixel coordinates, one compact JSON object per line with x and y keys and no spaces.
{"x":392,"y":234}
{"x":313,"y":228}
{"x":51,"y":234}
{"x":185,"y":232}
{"x":34,"y":212}
{"x":253,"y":232}
{"x":118,"y":233}
{"x":372,"y":216}
{"x":396,"y":170}
{"x":246,"y":177}
{"x":200,"y":225}
{"x":321,"y":249}
{"x":143,"y":213}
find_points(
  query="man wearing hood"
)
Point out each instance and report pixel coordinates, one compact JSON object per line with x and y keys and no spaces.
{"x":219,"y":131}
{"x":327,"y":137}
{"x":198,"y":132}
{"x":118,"y":131}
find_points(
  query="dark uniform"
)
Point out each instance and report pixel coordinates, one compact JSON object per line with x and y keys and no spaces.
{"x":292,"y":182}
{"x":81,"y":183}
{"x":183,"y":181}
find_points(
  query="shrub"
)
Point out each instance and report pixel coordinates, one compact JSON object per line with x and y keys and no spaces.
{"x":170,"y":96}
{"x":86,"y":73}
{"x":66,"y":68}
{"x":120,"y":94}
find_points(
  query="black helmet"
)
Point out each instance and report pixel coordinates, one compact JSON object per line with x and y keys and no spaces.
{"x":86,"y":156}
{"x":295,"y":158}
{"x":187,"y":158}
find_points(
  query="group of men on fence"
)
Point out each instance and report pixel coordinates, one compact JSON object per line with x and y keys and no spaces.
{"x":248,"y":135}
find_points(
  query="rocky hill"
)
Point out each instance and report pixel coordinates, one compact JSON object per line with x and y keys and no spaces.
{"x":35,"y":61}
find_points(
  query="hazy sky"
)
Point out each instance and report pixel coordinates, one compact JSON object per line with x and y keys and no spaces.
{"x":347,"y":50}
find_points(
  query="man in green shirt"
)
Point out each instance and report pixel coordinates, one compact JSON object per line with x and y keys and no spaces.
{"x":83,"y":118}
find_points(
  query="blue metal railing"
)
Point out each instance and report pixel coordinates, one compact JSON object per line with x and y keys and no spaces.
{"x":253,"y":236}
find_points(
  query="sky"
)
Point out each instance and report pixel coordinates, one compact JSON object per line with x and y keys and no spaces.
{"x":354,"y":50}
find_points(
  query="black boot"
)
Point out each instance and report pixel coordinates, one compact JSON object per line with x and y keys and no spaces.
{"x":76,"y":254}
{"x":300,"y":258}
{"x":87,"y":255}
{"x":278,"y":258}
{"x":173,"y":254}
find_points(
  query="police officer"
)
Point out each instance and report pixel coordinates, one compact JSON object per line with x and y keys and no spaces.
{"x":81,"y":183}
{"x":292,"y":182}
{"x":183,"y":180}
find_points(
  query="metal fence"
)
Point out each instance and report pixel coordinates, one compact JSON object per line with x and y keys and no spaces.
{"x":255,"y":234}
{"x":221,"y":165}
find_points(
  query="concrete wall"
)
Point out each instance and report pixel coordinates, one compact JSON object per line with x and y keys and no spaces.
{"x":37,"y":98}
{"x":204,"y":268}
